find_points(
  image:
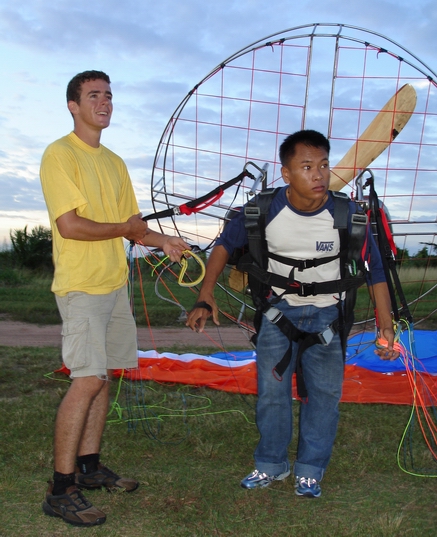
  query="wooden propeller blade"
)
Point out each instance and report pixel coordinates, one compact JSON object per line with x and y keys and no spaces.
{"x":384,"y":128}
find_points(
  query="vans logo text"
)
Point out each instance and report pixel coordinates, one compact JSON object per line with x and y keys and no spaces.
{"x":324,"y":246}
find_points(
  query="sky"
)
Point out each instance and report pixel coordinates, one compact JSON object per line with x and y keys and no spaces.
{"x":155,"y":53}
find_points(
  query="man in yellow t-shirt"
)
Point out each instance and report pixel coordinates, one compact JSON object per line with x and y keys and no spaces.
{"x":91,"y":206}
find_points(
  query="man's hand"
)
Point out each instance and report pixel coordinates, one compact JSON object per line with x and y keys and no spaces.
{"x":173,"y":247}
{"x":137,"y":228}
{"x":386,"y":350}
{"x":198,"y":316}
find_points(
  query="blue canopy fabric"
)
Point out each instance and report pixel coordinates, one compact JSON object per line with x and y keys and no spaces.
{"x":360,"y":352}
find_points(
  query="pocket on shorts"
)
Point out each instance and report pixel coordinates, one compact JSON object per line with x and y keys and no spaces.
{"x":122,"y":345}
{"x":75,"y":344}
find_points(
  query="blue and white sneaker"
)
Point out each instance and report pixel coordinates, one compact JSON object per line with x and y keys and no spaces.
{"x":259,"y":479}
{"x":308,"y":487}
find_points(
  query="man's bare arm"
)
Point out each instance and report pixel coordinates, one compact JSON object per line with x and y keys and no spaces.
{"x":216,"y":263}
{"x":381,"y":298}
{"x":73,"y":226}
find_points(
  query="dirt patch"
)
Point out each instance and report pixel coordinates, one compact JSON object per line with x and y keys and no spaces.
{"x":16,"y":334}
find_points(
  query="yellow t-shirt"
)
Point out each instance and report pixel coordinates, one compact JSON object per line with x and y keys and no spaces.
{"x":96,"y":183}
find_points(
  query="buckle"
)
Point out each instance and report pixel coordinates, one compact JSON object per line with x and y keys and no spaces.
{"x":302,"y":265}
{"x":273,"y":314}
{"x":326,"y":336}
{"x":307,"y":289}
{"x":252,"y":211}
{"x":358,"y":218}
{"x":252,"y":216}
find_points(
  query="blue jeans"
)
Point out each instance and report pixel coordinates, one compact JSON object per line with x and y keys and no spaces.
{"x":323,"y":370}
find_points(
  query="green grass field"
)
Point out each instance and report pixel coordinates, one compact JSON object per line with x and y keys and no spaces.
{"x":189,"y":457}
{"x":190,"y":447}
{"x":26,"y":296}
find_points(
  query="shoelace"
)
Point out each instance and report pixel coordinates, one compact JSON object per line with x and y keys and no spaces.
{"x":308,"y":481}
{"x":261,"y":475}
{"x":80,"y":500}
{"x":108,"y":470}
{"x":108,"y":473}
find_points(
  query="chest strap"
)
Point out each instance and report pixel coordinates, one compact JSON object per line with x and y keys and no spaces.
{"x":292,"y":286}
{"x":302,"y":264}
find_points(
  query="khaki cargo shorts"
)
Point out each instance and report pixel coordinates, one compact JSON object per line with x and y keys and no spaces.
{"x":98,"y":333}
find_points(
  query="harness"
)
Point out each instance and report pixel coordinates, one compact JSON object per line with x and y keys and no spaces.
{"x":387,"y":249}
{"x":261,"y":281}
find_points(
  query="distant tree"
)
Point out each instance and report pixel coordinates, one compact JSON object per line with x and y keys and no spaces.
{"x":423,"y":253}
{"x":32,"y":250}
{"x":402,"y":257}
{"x":402,"y":254}
{"x":432,"y":246}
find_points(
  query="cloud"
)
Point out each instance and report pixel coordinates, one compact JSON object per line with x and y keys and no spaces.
{"x":155,"y":53}
{"x":19,"y":194}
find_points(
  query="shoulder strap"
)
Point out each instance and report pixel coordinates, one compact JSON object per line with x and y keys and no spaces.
{"x":341,"y":209}
{"x":352,"y":239}
{"x":352,"y":268}
{"x":255,"y":212}
{"x":388,"y":256}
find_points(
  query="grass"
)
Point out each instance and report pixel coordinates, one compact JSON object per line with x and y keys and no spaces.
{"x":190,"y":461}
{"x":25,"y":296}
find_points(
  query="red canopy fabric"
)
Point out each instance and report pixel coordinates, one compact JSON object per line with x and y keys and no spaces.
{"x":360,"y":385}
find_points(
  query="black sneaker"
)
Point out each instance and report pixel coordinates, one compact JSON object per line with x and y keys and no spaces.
{"x":72,"y":507}
{"x":104,"y":477}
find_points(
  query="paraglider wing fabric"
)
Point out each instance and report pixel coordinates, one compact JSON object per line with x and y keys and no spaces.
{"x":367,"y":378}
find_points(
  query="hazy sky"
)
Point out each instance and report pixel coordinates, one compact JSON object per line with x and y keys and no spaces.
{"x":154,"y":52}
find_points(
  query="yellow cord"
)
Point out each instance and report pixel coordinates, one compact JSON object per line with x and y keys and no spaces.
{"x":184,"y":265}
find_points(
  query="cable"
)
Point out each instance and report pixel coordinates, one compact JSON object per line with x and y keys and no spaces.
{"x":423,"y":400}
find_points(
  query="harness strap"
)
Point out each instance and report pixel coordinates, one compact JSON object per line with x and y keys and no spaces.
{"x":305,"y":341}
{"x":301,"y":264}
{"x":260,"y":280}
{"x":255,"y":212}
{"x":295,"y":287}
{"x":385,"y":245}
{"x":341,"y":200}
{"x":201,"y":203}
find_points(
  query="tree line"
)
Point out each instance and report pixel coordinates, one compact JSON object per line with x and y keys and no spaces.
{"x":33,"y":250}
{"x":30,"y":250}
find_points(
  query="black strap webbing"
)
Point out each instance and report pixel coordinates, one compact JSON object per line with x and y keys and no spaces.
{"x":302,"y":264}
{"x":295,"y":287}
{"x":255,"y":213}
{"x":260,"y":280}
{"x":341,"y":210}
{"x":192,"y":205}
{"x":387,"y":257}
{"x":305,"y":340}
